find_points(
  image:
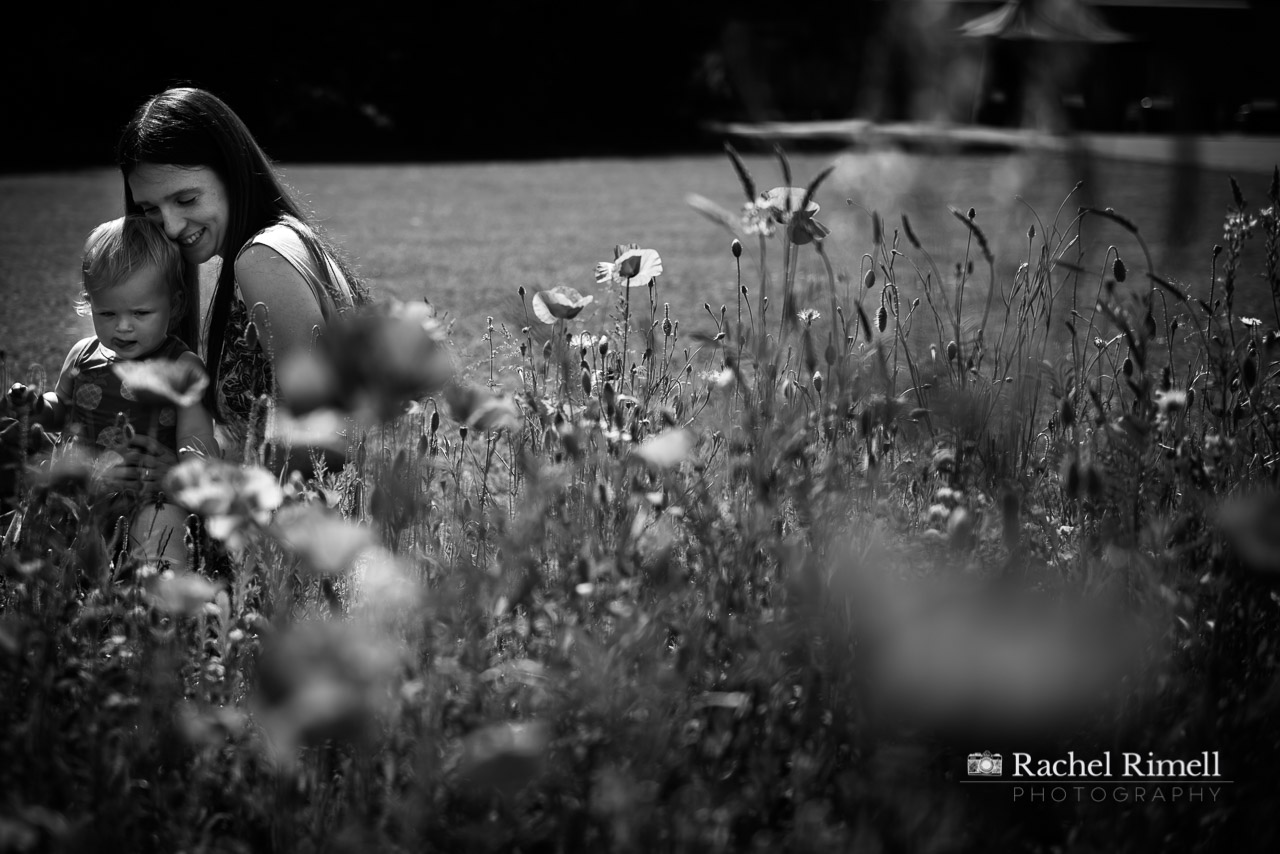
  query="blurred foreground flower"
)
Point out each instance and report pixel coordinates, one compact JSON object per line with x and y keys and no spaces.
{"x":327,"y":543}
{"x":559,"y":303}
{"x":1249,"y":523}
{"x":505,"y":757}
{"x":184,"y":593}
{"x":228,"y":497}
{"x":481,"y":410}
{"x":667,"y":449}
{"x":163,"y":381}
{"x":322,"y":679}
{"x":999,"y":662}
{"x":632,"y":266}
{"x":371,"y":364}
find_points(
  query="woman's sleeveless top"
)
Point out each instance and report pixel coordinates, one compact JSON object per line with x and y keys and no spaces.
{"x":245,"y":373}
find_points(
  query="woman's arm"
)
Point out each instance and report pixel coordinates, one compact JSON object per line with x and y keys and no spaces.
{"x":280,"y":303}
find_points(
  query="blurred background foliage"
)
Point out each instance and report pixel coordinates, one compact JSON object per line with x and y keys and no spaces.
{"x":390,"y":82}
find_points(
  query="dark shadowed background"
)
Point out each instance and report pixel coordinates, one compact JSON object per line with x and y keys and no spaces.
{"x":376,"y":81}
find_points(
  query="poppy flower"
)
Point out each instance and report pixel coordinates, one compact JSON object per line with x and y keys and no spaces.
{"x":229,"y":497}
{"x":634,"y":267}
{"x":183,"y":593}
{"x":371,"y":363}
{"x":667,"y":449}
{"x":163,"y":381}
{"x":783,"y":206}
{"x":559,"y":303}
{"x":327,"y":543}
{"x":481,"y":410}
{"x":504,"y":757}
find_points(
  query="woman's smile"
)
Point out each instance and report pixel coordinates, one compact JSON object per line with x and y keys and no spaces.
{"x":190,"y":202}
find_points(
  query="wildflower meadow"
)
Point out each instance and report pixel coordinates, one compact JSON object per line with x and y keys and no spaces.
{"x":757,"y":580}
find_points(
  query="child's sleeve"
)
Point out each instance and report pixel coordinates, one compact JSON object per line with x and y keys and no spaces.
{"x":54,"y":406}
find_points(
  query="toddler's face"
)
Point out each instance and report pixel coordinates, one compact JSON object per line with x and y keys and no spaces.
{"x":131,"y":317}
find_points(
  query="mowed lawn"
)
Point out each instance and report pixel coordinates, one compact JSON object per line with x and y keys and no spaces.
{"x":467,"y":236}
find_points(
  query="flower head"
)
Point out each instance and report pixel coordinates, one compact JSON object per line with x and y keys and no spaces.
{"x":1251,"y":321}
{"x":808,"y":316}
{"x":371,"y":363}
{"x":783,"y":205}
{"x":559,"y":303}
{"x":228,"y":497}
{"x":633,"y":267}
{"x":757,"y":219}
{"x":163,"y":381}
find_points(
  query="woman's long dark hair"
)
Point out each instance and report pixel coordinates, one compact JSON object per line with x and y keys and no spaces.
{"x":193,"y":128}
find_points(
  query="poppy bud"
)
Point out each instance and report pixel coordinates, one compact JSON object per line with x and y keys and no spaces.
{"x":1072,"y":484}
{"x":952,"y":351}
{"x":1031,"y":232}
{"x":1119,"y":270}
{"x":586,"y":382}
{"x":1249,"y":372}
{"x":869,"y":279}
{"x":736,"y":247}
{"x":817,"y":381}
{"x":882,"y":319}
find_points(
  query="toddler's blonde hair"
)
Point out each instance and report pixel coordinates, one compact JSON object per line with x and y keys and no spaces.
{"x":120,"y":247}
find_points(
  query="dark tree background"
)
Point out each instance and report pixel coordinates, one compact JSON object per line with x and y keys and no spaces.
{"x":483,"y":80}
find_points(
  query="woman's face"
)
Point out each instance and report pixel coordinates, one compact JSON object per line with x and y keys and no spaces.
{"x":190,"y":202}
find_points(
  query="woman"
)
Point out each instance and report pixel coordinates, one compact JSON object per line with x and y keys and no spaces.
{"x":190,"y":164}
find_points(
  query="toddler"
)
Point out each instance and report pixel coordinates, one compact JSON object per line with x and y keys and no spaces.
{"x":133,"y":279}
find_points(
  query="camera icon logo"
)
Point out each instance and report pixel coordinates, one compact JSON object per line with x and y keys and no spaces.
{"x":985,"y":764}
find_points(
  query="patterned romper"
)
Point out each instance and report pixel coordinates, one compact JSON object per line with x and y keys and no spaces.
{"x":99,"y":404}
